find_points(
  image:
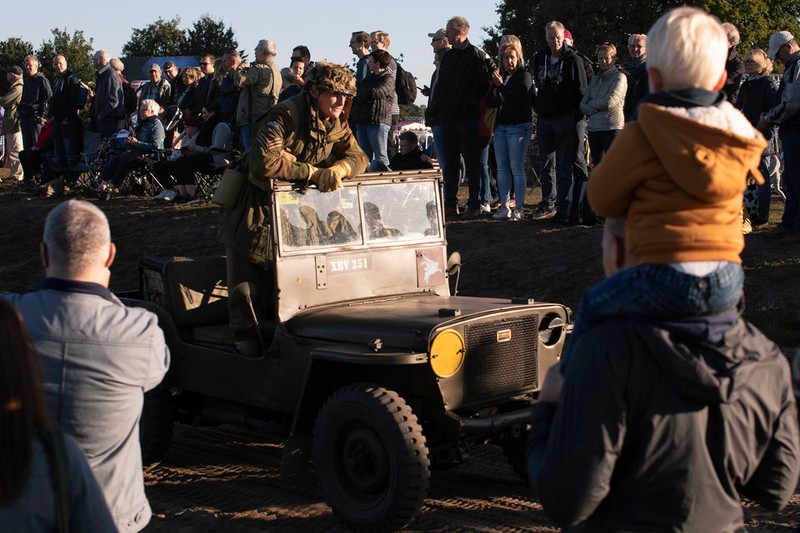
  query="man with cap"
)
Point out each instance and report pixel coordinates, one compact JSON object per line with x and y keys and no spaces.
{"x":11,"y":130}
{"x":304,"y":139}
{"x":158,"y":88}
{"x":170,"y":72}
{"x":439,"y":41}
{"x":786,"y":115}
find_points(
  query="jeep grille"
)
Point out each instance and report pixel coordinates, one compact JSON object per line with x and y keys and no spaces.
{"x":497,"y":366}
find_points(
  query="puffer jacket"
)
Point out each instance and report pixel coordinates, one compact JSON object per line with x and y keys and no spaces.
{"x":373,"y":101}
{"x":604,"y":100}
{"x":292,"y":138}
{"x":99,"y":357}
{"x":662,"y":427}
{"x":678,"y":174}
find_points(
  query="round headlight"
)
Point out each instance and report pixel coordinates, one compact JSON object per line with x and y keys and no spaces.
{"x":447,"y":353}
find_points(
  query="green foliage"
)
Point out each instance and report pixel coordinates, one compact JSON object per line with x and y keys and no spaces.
{"x":161,"y":38}
{"x":78,"y":52}
{"x":592,"y":23}
{"x":12,"y":51}
{"x":412,"y":111}
{"x":209,"y":36}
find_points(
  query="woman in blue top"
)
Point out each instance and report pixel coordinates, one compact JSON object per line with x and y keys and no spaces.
{"x":512,"y":132}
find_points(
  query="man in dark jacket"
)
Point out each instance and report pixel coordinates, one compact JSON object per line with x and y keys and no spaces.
{"x":462,"y":81}
{"x":32,"y":108}
{"x":63,"y":112}
{"x":108,"y":108}
{"x":635,"y":68}
{"x":734,"y":66}
{"x":560,"y":80}
{"x":664,"y":425}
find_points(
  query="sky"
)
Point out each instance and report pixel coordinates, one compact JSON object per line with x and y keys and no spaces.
{"x":323,"y":26}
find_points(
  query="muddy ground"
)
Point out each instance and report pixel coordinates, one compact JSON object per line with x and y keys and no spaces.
{"x":225,"y":479}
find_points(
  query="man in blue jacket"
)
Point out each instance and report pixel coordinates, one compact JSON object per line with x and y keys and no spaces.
{"x":99,"y":356}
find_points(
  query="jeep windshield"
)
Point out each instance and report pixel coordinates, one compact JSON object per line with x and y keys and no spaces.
{"x":360,"y":214}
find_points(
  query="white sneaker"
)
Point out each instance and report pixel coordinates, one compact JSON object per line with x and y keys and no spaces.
{"x":485,"y":208}
{"x":167,"y":195}
{"x":518,"y":214}
{"x":502,"y":213}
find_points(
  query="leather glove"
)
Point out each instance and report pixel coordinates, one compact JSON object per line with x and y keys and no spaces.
{"x":330,"y":179}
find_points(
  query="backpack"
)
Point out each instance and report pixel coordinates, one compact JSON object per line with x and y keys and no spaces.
{"x":405,"y":85}
{"x":131,"y":100}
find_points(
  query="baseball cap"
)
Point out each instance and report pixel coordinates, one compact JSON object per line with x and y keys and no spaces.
{"x":777,"y":40}
{"x":154,"y":66}
{"x":14,"y":70}
{"x":567,"y":34}
{"x":438,"y":34}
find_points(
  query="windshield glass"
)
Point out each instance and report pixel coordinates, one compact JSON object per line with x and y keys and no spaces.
{"x":394,"y":212}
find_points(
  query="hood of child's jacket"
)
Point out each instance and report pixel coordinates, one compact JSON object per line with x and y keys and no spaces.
{"x":708,"y":150}
{"x":710,"y":372}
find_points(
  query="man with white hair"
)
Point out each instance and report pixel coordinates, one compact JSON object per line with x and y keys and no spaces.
{"x":734,"y":66}
{"x":108,"y":109}
{"x":635,"y":68}
{"x":99,"y":355}
{"x":260,"y":86}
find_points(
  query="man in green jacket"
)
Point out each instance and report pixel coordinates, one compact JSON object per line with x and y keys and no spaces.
{"x":305,"y":139}
{"x":11,"y":127}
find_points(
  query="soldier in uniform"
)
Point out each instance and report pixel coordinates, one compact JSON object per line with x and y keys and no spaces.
{"x":306,"y":139}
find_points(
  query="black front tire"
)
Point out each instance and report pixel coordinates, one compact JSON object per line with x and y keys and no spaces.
{"x":371,"y":458}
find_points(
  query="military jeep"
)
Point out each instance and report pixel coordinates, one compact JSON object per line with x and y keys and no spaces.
{"x":376,"y":371}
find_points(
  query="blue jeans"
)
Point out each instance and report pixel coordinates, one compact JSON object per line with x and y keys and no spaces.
{"x":656,"y":291}
{"x":438,"y":141}
{"x":460,"y":138}
{"x":510,"y":147}
{"x":558,"y":141}
{"x":485,"y":196}
{"x":372,"y":138}
{"x":791,"y":179}
{"x":245,"y":136}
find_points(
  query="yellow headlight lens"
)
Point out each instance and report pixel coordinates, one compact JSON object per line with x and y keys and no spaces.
{"x":447,"y":353}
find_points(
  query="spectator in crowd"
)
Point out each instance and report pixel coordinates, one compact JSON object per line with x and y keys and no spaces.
{"x":301,"y":53}
{"x":28,"y":456}
{"x":462,"y":81}
{"x":32,"y":108}
{"x":603,"y":103}
{"x":372,"y":110}
{"x":226,"y":97}
{"x":409,"y":156}
{"x":380,"y":40}
{"x":211,"y":148}
{"x":259,"y":85}
{"x":130,"y":96}
{"x":359,"y":45}
{"x":635,"y":68}
{"x":580,"y":168}
{"x":663,"y":425}
{"x":786,"y":115}
{"x":734,"y":66}
{"x":108,"y":107}
{"x":186,"y":100}
{"x":63,"y":114}
{"x":433,"y":120}
{"x":11,"y":130}
{"x":292,"y":80}
{"x":99,"y":355}
{"x":560,"y":80}
{"x":204,"y":84}
{"x":171,"y":73}
{"x":302,"y":139}
{"x":512,"y":131}
{"x":149,"y":136}
{"x":158,"y":88}
{"x":757,"y":95}
{"x":683,"y":214}
{"x":36,"y":160}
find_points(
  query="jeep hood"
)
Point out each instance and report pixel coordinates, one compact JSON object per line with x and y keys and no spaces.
{"x":404,"y":322}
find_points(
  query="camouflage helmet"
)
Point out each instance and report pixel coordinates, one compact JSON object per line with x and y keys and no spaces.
{"x":331,"y":77}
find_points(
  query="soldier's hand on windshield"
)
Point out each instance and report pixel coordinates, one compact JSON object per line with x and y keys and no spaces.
{"x":327,"y":179}
{"x":551,"y":388}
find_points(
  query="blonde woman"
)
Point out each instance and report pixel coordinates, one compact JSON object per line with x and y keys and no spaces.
{"x":512,"y":131}
{"x":757,"y":95}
